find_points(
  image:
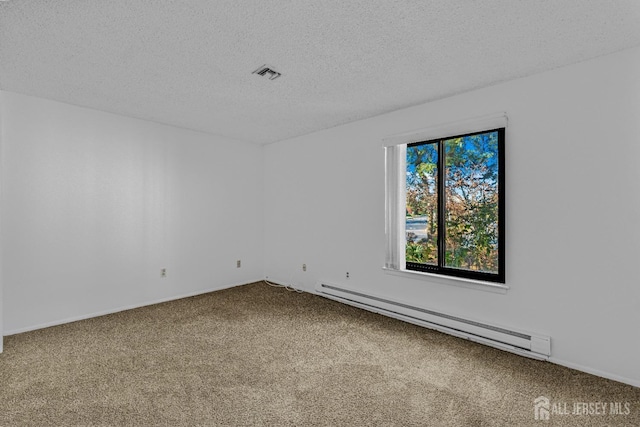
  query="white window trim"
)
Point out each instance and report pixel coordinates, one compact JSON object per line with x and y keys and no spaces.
{"x":462,"y":282}
{"x":395,"y":193}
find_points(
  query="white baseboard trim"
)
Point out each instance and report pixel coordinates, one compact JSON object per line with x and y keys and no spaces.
{"x":596,"y":372}
{"x":275,"y":281}
{"x":284,"y":283}
{"x":124,"y":308}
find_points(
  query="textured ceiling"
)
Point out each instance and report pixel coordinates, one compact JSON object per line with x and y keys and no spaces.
{"x":189,"y":63}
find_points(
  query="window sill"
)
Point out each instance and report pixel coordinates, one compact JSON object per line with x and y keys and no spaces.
{"x":497,"y":288}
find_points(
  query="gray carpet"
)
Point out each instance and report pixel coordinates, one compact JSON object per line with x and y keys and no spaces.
{"x":257,"y":355}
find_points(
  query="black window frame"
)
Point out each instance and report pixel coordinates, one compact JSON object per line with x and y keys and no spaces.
{"x":441,"y":269}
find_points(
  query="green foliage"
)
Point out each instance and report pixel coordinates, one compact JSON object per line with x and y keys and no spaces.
{"x":426,"y":252}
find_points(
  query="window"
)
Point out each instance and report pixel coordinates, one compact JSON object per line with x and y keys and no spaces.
{"x":445,"y":204}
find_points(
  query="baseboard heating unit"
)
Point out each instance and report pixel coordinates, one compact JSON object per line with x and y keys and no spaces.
{"x":519,"y":342}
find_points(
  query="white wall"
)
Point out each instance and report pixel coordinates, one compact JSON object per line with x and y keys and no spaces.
{"x":95,"y":204}
{"x":573,"y":230}
{"x":1,"y":236}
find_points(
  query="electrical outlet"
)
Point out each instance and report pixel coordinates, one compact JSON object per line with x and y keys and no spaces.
{"x":347,"y":274}
{"x":238,"y":263}
{"x":304,"y":267}
{"x":163,"y":272}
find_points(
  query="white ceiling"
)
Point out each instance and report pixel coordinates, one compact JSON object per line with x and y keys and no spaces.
{"x":190,"y":63}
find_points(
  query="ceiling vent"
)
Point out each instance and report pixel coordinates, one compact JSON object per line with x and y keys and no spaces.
{"x":267,"y":71}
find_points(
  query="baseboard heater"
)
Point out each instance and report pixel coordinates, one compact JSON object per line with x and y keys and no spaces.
{"x":523,"y":343}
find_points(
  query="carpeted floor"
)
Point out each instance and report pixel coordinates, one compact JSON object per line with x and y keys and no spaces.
{"x":257,"y":355}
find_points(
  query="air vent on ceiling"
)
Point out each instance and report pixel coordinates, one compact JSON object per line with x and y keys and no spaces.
{"x":267,"y":71}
